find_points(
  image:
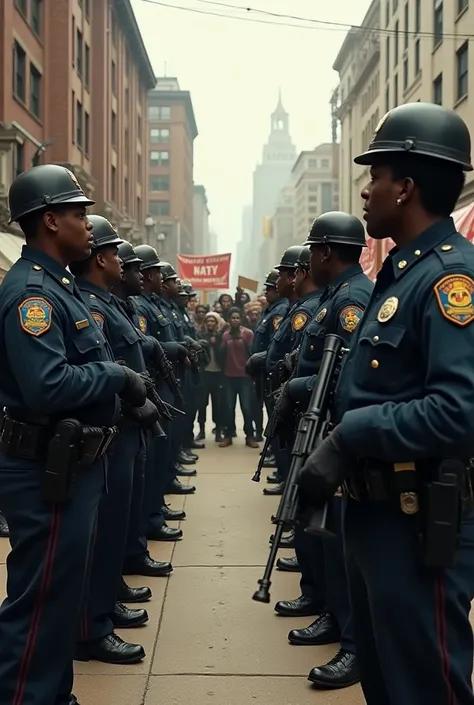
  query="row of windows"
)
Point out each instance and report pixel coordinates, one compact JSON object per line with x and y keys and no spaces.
{"x":81,"y":55}
{"x":26,"y":91}
{"x":126,"y":194}
{"x":438,"y":18}
{"x":371,"y":94}
{"x":159,"y":207}
{"x":392,"y":8}
{"x":318,"y":163}
{"x":159,"y":112}
{"x":32,"y":11}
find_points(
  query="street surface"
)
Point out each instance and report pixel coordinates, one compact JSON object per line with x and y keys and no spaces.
{"x":207,"y":642}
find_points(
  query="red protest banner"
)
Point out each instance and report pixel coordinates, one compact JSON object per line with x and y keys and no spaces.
{"x":205,"y":271}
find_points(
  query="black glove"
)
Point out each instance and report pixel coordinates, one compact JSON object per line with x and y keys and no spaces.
{"x":204,"y":344}
{"x":145,"y":416}
{"x":134,"y":390}
{"x":255,"y":363}
{"x":182,"y":353}
{"x":325,"y":470}
{"x":192,"y":344}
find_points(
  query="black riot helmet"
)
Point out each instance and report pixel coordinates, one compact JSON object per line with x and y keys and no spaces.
{"x":127,"y":254}
{"x":168,"y":271}
{"x":421,"y":129}
{"x":290,"y":258}
{"x":271,"y":279}
{"x":336,"y":227}
{"x":103,"y":232}
{"x":186,"y":289}
{"x":304,"y":260}
{"x":149,"y":257}
{"x":44,"y":186}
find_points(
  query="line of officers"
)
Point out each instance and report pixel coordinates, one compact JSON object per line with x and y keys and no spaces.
{"x":391,"y":580}
{"x":97,"y":384}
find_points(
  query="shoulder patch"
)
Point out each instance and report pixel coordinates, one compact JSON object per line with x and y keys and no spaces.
{"x":276,"y":322}
{"x":99,"y":319}
{"x":142,"y":322}
{"x":36,"y":315}
{"x":350,"y":317}
{"x":299,"y":320}
{"x":455,"y":297}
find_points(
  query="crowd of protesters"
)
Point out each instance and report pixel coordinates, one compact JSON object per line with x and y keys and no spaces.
{"x":229,"y":327}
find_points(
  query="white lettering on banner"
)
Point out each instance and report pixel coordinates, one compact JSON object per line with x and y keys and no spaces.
{"x":205,"y":270}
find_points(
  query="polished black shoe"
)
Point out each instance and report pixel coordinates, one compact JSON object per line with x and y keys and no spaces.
{"x":184,"y":472}
{"x":110,"y":649}
{"x":145,"y":565}
{"x":126,"y":618}
{"x":4,"y":531}
{"x":301,"y":607}
{"x":126,"y":593}
{"x":273,"y":479}
{"x":175,"y":487}
{"x":190,"y":454}
{"x":340,"y":672}
{"x":173,"y":514}
{"x":275,"y":491}
{"x":197,"y":445}
{"x":186,"y":459}
{"x":259,"y":437}
{"x":270,"y":462}
{"x":165,"y":533}
{"x":201,"y":435}
{"x":289,"y":565}
{"x":286,"y":541}
{"x":73,"y":700}
{"x":322,"y":631}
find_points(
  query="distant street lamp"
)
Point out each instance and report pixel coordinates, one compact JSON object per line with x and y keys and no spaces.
{"x":149,"y":227}
{"x":161,"y":240}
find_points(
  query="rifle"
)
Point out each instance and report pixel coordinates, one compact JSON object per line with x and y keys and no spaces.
{"x":162,"y":367}
{"x":312,"y":429}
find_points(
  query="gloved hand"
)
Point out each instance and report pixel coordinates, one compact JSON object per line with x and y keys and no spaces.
{"x":255,"y":363}
{"x":134,"y":390}
{"x":325,"y":470}
{"x":182,"y":353}
{"x":192,"y":344}
{"x":144,"y":416}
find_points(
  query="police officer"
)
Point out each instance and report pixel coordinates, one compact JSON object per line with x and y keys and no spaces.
{"x":336,"y":240}
{"x":405,"y":413}
{"x":97,"y":639}
{"x":55,"y":365}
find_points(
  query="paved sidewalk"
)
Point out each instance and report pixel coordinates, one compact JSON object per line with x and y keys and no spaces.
{"x":207,"y":642}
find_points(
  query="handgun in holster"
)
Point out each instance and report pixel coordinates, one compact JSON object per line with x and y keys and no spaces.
{"x":62,"y":461}
{"x":441,"y":514}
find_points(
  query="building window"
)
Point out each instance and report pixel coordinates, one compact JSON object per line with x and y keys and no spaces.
{"x":395,"y":6}
{"x":438,"y":90}
{"x":405,"y":74}
{"x":35,"y":91}
{"x":127,"y":100}
{"x":396,"y":40}
{"x":387,"y":58}
{"x":324,"y":163}
{"x":313,"y":187}
{"x":387,"y":13}
{"x":79,"y":132}
{"x":417,"y":15}
{"x":312,"y":163}
{"x":87,"y":135}
{"x":79,"y":53}
{"x":326,"y":197}
{"x":18,"y":159}
{"x":113,"y":27}
{"x":139,"y":167}
{"x":438,"y":22}
{"x":113,"y":183}
{"x":462,"y":71}
{"x":73,"y":117}
{"x":35,"y":19}
{"x":417,"y":57}
{"x":126,"y":198}
{"x":405,"y":41}
{"x":159,"y":159}
{"x":73,"y":42}
{"x":113,"y":77}
{"x":159,"y":207}
{"x":462,"y":4}
{"x":139,"y":210}
{"x":87,"y":65}
{"x":113,"y":128}
{"x":312,"y":199}
{"x":22,"y":6}
{"x":127,"y":145}
{"x":19,"y":72}
{"x":159,"y":136}
{"x":395,"y":90}
{"x":387,"y":99}
{"x":159,"y":112}
{"x":87,"y":9}
{"x":159,"y":183}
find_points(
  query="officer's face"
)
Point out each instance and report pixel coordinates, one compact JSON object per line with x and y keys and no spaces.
{"x":381,"y":212}
{"x":111,"y":264}
{"x":320,"y":256}
{"x":285,"y":282}
{"x":132,"y":279}
{"x":171,"y":286}
{"x":299,"y":279}
{"x":72,"y":232}
{"x":271,"y":294}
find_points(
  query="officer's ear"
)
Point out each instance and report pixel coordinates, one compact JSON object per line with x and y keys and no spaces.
{"x":100,"y":259}
{"x":326,"y":253}
{"x":52,"y":218}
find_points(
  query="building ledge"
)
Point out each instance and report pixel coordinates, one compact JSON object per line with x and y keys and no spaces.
{"x":129,"y":26}
{"x":8,"y":137}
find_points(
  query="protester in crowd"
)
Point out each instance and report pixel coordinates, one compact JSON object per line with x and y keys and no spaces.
{"x":235,"y":349}
{"x":217,"y":308}
{"x":212,"y":378}
{"x":253,"y":315}
{"x":227,"y":303}
{"x":199,"y":315}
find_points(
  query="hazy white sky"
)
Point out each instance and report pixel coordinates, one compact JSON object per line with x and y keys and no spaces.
{"x":234,"y":69}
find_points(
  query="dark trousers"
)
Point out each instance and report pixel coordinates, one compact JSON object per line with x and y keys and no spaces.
{"x":192,"y":393}
{"x":47,"y":573}
{"x":137,"y":543}
{"x":337,"y":589}
{"x":413,"y":637}
{"x":156,"y":478}
{"x":111,"y":537}
{"x":212,"y":387}
{"x":257,"y":409}
{"x":309,"y":551}
{"x":240,"y":387}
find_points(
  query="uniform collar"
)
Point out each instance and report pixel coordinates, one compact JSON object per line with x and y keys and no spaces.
{"x":53,"y":267}
{"x":86,"y":285}
{"x":402,"y":260}
{"x":344,"y":277}
{"x":310,"y":295}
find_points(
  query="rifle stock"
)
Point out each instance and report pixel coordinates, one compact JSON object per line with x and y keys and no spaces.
{"x":312,"y":428}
